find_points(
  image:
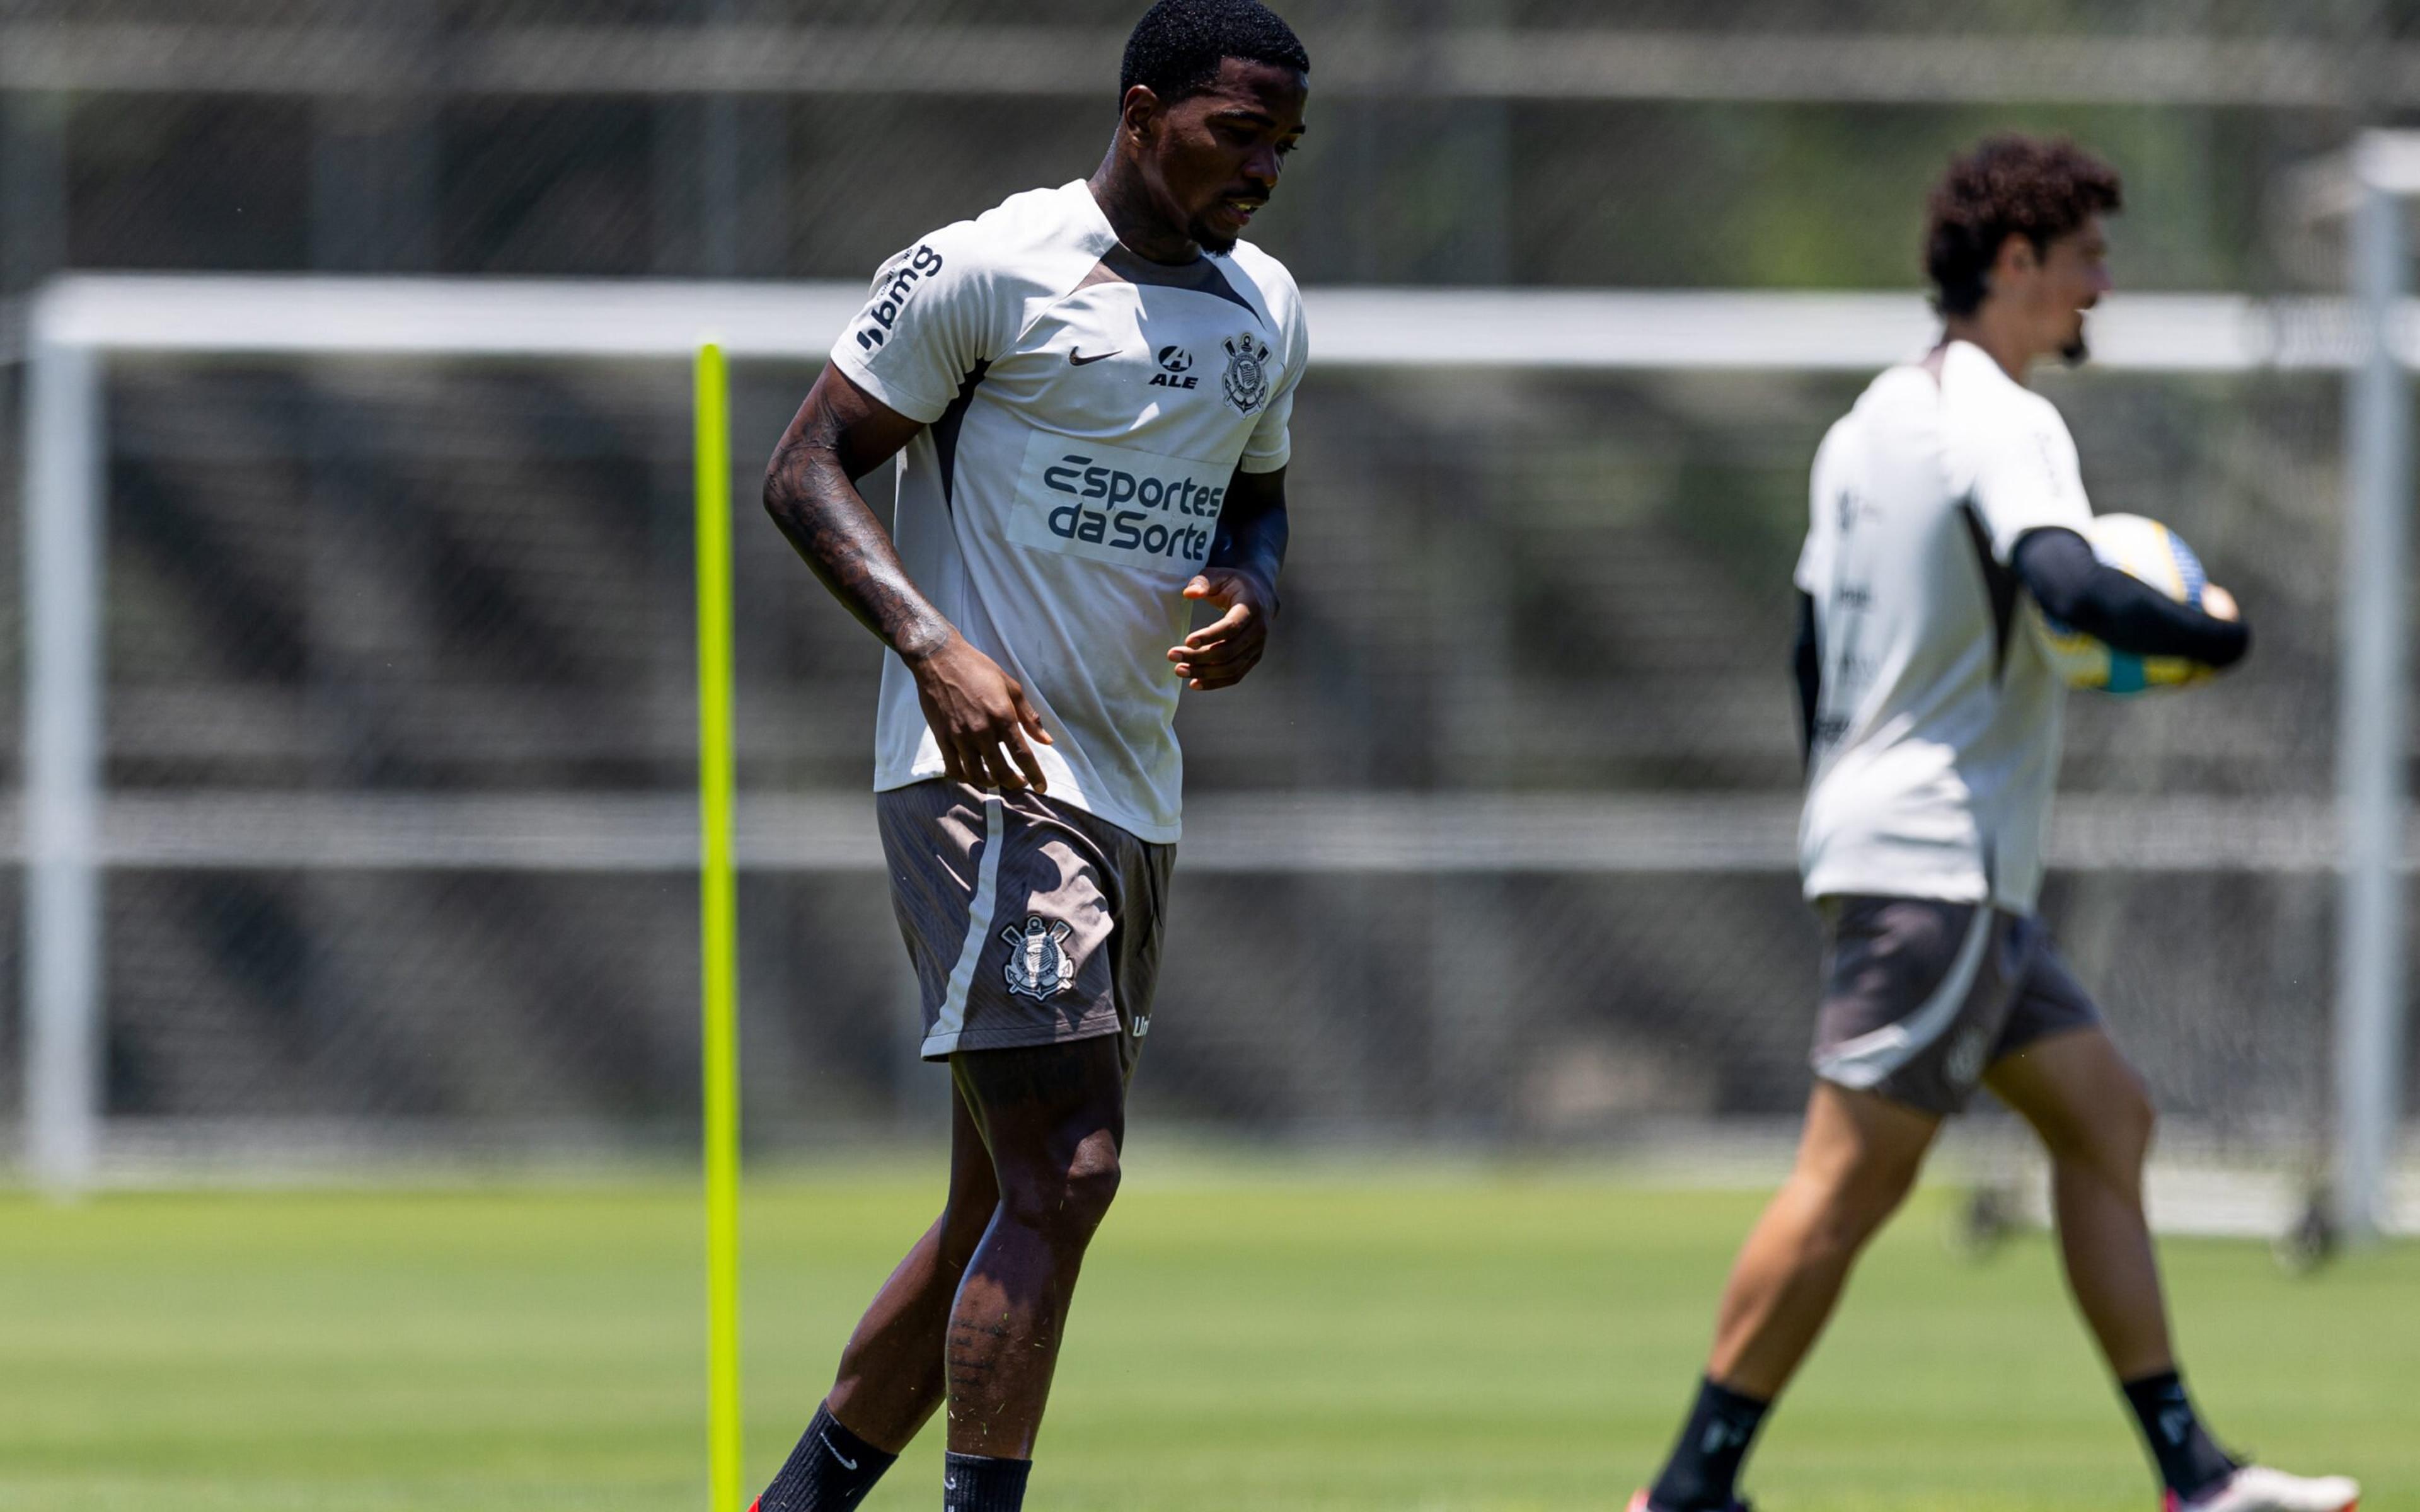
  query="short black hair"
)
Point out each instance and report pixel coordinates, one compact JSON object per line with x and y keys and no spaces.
{"x":2009,"y":185}
{"x":1177,"y":47}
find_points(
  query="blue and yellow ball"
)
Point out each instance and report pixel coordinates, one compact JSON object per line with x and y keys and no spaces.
{"x":2143,"y":549}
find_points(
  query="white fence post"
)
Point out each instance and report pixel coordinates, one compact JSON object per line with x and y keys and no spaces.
{"x":62,"y":908}
{"x":2370,"y":755}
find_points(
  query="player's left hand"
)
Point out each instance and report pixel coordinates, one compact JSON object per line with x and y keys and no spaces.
{"x":1220,"y":653}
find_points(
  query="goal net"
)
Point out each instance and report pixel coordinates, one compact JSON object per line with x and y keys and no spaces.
{"x":357,"y":631}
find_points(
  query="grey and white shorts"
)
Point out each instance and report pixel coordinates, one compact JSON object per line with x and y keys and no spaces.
{"x":1029,"y":921}
{"x":1921,"y":997}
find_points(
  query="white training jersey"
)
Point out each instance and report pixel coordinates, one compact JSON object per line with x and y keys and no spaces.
{"x":1937,"y":725}
{"x":1083,"y":419}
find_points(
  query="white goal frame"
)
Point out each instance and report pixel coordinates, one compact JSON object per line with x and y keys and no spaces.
{"x":72,"y":832}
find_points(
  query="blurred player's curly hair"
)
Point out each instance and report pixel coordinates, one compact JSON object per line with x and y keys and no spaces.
{"x":2009,"y":186}
{"x":1176,"y":48}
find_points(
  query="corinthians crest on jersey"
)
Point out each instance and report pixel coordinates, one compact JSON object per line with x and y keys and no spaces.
{"x":1038,"y":963}
{"x":1248,"y":372}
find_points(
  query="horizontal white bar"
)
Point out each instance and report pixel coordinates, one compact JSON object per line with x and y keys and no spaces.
{"x":1226,"y":833}
{"x":1785,"y":332}
{"x":473,"y":317}
{"x":1350,"y":328}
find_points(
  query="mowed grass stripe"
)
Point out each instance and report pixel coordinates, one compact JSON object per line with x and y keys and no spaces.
{"x":1454,"y":1340}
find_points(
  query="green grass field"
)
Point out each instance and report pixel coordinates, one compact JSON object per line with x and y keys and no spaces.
{"x":1245,"y":1340}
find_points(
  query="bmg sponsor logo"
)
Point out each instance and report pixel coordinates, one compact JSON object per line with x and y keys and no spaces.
{"x":899,"y":279}
{"x":1114,"y":505}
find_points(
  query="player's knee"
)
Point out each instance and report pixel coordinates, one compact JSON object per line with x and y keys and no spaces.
{"x":1092,"y":1186}
{"x":960,"y":1231}
{"x":2127,"y":1121}
{"x":1065,"y":1200}
{"x":2115,"y":1137}
{"x":1860,"y":1200}
{"x":1859,"y":1219}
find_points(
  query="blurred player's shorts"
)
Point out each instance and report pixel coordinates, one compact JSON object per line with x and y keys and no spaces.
{"x":1921,"y":997}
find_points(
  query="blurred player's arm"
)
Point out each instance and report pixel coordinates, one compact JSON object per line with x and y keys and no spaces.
{"x":1241,"y":577}
{"x":1806,"y":662}
{"x":977,"y":713}
{"x":2078,"y":589}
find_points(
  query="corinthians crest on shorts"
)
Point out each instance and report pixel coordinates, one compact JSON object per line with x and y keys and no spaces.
{"x":1248,"y":372}
{"x":1038,"y":963}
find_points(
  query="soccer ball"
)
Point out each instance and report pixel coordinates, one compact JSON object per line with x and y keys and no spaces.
{"x":2143,"y":549}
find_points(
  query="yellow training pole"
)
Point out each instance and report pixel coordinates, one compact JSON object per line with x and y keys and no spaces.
{"x":719,"y":900}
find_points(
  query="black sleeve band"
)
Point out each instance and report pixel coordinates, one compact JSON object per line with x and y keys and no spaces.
{"x":2076,"y":588}
{"x":1807,"y":662}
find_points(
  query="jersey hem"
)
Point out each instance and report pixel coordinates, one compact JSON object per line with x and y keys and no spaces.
{"x":1098,"y":1024}
{"x":1074,"y":797}
{"x":1822,"y":885}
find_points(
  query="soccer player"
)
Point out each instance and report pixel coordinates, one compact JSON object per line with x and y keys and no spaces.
{"x":1092,"y":385}
{"x":1932,"y":731}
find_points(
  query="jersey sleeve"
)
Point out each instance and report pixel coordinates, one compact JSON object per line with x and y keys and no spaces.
{"x":1814,"y":561}
{"x":935,"y":314}
{"x":2026,"y":478}
{"x":1272,"y":442}
{"x":1823,"y":505}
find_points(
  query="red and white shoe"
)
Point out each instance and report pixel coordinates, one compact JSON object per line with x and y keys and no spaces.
{"x":1641,"y":1503}
{"x":2259,"y":1489}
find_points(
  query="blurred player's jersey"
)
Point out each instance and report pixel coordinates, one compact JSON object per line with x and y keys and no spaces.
{"x":1083,"y":419}
{"x":1937,"y":726}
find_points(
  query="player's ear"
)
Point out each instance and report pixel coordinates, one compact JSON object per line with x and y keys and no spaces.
{"x":1137,"y":113}
{"x":2018,"y":255}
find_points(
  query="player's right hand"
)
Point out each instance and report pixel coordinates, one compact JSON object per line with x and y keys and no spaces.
{"x":2218,"y":603}
{"x":980,"y":719}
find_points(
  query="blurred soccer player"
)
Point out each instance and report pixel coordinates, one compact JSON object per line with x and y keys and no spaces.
{"x":1933,"y":742}
{"x":1092,"y":385}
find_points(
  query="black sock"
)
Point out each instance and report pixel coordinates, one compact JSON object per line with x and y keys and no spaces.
{"x":1703,"y":1473}
{"x":2190,"y":1462}
{"x":830,"y":1471}
{"x":979,"y":1483}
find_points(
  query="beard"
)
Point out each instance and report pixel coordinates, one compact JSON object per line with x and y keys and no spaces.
{"x":1211,"y":241}
{"x":2079,"y":346}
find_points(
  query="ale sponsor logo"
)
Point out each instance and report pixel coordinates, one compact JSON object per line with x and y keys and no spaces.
{"x":1175,"y":370}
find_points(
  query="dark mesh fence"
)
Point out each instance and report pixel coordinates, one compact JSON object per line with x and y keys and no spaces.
{"x":447,"y":601}
{"x":370,"y":622}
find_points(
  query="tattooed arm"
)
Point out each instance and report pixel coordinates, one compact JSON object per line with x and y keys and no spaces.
{"x":977,"y":713}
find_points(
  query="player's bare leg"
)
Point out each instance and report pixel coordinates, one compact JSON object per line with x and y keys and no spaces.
{"x":892,"y":1375}
{"x":2095,"y":1120}
{"x":974,"y":1314}
{"x":1053,"y":1118}
{"x":1857,"y":1158}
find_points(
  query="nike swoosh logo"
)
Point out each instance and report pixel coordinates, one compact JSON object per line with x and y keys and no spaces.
{"x":846,"y":1463}
{"x":1076,"y":359}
